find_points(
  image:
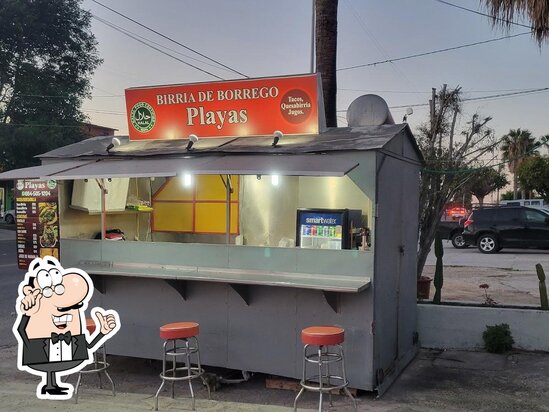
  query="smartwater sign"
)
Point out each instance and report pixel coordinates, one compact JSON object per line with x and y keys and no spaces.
{"x":233,"y":108}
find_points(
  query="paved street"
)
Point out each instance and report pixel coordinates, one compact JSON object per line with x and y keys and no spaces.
{"x":11,"y":277}
{"x":513,"y":259}
{"x":510,"y":275}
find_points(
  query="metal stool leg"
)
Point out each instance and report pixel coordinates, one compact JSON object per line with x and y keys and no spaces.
{"x":76,"y":387}
{"x":204,"y":381}
{"x":328,"y":376}
{"x":303,"y":377}
{"x":189,"y":372}
{"x":320,"y":378}
{"x":106,"y":372}
{"x":174,"y":367}
{"x":163,"y":374}
{"x":96,"y":363}
{"x":345,"y":389}
{"x":99,"y":365}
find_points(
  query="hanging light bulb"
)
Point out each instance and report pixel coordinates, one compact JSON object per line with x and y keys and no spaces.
{"x":187,"y":180}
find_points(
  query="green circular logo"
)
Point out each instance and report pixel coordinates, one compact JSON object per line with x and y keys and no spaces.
{"x":143,"y":117}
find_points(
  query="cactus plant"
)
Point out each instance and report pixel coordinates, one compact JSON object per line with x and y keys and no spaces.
{"x":438,"y":281}
{"x":542,"y":287}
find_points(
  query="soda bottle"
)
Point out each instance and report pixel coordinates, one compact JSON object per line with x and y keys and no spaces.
{"x":313,"y":230}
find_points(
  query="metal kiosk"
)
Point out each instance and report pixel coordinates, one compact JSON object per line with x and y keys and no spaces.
{"x":231,"y":263}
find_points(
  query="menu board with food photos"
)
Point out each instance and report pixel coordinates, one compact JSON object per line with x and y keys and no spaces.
{"x":37,"y":219}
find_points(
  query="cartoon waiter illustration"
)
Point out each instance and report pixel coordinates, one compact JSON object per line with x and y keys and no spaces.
{"x":51,"y":326}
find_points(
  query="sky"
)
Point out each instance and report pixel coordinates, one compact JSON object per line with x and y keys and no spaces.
{"x":270,"y":38}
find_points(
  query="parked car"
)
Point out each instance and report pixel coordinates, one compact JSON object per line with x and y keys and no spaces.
{"x":535,"y":203}
{"x":453,"y":231}
{"x":9,"y":216}
{"x":494,"y":228}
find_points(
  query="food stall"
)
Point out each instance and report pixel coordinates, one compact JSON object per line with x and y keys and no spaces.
{"x":265,"y":224}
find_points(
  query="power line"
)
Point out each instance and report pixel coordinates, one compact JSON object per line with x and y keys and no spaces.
{"x":112,"y":25}
{"x":39,"y":125}
{"x":412,"y":56}
{"x":494,"y":96}
{"x":376,"y":43}
{"x":169,"y":38}
{"x":483,"y":14}
{"x":61,"y":96}
{"x":501,"y":95}
{"x":423,"y":92}
{"x":104,"y":112}
{"x":155,"y":48}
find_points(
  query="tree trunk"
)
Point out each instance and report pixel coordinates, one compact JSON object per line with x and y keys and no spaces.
{"x":326,"y":54}
{"x":515,"y":185}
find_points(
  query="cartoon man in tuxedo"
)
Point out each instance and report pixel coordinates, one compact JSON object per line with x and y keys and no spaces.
{"x":51,"y":326}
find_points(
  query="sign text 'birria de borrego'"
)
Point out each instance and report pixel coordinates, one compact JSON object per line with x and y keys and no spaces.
{"x":248,"y":107}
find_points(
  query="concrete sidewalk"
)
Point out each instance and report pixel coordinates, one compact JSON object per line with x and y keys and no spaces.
{"x":435,"y":381}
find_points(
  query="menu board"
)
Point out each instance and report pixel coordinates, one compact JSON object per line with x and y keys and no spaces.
{"x":37,"y":219}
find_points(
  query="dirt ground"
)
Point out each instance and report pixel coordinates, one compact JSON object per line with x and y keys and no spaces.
{"x":505,"y":286}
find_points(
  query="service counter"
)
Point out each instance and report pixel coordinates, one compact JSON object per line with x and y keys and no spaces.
{"x":251,"y":302}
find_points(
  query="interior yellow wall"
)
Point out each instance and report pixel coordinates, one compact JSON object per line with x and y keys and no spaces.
{"x":199,"y":208}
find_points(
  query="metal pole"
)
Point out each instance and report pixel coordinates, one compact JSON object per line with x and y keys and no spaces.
{"x":228,"y":210}
{"x":103,"y":211}
{"x":313,"y":22}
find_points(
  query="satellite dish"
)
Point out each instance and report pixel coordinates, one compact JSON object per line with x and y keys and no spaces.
{"x":369,"y":110}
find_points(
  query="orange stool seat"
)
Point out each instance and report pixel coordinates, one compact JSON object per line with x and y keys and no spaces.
{"x":323,"y":335}
{"x":90,"y":325}
{"x":179,"y":330}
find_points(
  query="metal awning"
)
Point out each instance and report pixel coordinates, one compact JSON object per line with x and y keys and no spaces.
{"x":284,"y":165}
{"x":44,"y":171}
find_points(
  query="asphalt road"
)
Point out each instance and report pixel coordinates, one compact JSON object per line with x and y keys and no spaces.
{"x":511,"y":259}
{"x":11,"y":277}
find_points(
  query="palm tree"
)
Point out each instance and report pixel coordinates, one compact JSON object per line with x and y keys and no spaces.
{"x":536,"y":11}
{"x":326,"y":51}
{"x":517,"y":145}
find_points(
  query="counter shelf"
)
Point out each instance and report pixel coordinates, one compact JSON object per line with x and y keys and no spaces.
{"x":238,"y":279}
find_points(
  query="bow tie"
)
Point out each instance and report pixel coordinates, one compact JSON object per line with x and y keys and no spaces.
{"x":61,"y":336}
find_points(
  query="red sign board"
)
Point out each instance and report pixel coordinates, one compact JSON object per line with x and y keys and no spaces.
{"x":37,"y":218}
{"x":248,"y":107}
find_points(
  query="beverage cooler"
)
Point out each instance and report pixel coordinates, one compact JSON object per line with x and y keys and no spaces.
{"x":327,"y":228}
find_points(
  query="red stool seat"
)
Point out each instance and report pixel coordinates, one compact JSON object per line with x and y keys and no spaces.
{"x":90,"y":325}
{"x":179,"y":330}
{"x":323,"y":335}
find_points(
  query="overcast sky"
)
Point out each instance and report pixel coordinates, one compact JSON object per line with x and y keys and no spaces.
{"x":265,"y":37}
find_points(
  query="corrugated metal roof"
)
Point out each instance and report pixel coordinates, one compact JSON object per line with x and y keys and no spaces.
{"x":38,"y":172}
{"x":285,"y":165}
{"x":333,"y":140}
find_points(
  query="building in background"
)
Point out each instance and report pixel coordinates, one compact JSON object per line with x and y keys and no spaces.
{"x":92,"y":130}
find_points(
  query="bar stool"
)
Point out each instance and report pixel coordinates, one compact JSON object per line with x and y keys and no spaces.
{"x":98,"y":365}
{"x":324,"y":338}
{"x":186,"y":332}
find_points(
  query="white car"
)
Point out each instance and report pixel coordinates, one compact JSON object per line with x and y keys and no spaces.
{"x":9,"y":216}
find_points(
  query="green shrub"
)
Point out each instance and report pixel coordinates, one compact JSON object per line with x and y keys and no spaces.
{"x":498,"y":339}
